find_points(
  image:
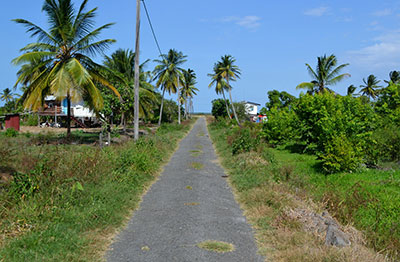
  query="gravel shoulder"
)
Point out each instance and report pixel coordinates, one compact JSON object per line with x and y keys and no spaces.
{"x":189,"y":204}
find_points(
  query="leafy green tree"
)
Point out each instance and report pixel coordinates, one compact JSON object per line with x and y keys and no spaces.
{"x":220,"y":86}
{"x":279,"y":100}
{"x":122,"y":65}
{"x":188,"y":89}
{"x":230,"y":72}
{"x":167,"y":73}
{"x":58,"y":63}
{"x":370,"y":87}
{"x":7,"y":95}
{"x":219,"y":110}
{"x":326,"y":74}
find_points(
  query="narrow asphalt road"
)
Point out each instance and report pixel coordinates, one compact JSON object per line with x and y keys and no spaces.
{"x":189,"y":204}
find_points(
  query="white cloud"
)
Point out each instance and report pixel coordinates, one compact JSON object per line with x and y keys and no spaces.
{"x":319,"y":11}
{"x":249,"y":22}
{"x":384,"y":53}
{"x":383,"y":12}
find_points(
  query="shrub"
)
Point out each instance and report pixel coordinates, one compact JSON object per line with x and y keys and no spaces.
{"x":341,"y":155}
{"x":281,"y":126}
{"x":11,"y":132}
{"x":243,"y":140}
{"x":219,"y":108}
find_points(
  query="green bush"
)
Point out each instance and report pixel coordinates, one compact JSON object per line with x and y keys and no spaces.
{"x":341,"y":155}
{"x":219,"y":108}
{"x":11,"y":132}
{"x":281,"y":126}
{"x":30,"y":120}
{"x":243,"y":140}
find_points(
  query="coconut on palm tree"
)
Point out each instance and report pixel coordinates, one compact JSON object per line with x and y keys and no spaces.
{"x":230,"y":72}
{"x":59,"y":63}
{"x":370,"y":87}
{"x":220,"y":86}
{"x":7,"y":95}
{"x":188,"y":89}
{"x":325,"y":74}
{"x":122,"y":65}
{"x":169,"y":75}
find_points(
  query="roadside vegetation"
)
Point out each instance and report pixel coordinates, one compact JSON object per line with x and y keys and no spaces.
{"x":64,"y":202}
{"x":320,"y":151}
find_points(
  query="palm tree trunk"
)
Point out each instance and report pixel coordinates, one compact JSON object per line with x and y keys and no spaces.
{"x":186,"y":109}
{"x":226,"y":104}
{"x":123,"y":122}
{"x":68,"y":115}
{"x":233,"y":107}
{"x":161,"y":108}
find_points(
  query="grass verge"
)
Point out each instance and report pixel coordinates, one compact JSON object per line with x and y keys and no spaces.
{"x":65,"y":201}
{"x":272,"y":184}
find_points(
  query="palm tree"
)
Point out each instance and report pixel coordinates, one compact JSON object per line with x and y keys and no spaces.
{"x":220,"y":86}
{"x":58,"y":63}
{"x":325,"y":74}
{"x":188,"y":88}
{"x":394,"y":77}
{"x":169,"y":74}
{"x":350,"y":90}
{"x":229,"y":71}
{"x":122,"y":65}
{"x":370,"y":87}
{"x":7,"y":95}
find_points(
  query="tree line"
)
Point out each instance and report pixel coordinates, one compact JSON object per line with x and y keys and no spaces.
{"x":60,"y":63}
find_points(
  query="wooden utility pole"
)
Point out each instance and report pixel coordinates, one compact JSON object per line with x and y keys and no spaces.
{"x":179,"y":102}
{"x":137,"y":72}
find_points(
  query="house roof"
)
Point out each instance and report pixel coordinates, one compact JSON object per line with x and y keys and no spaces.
{"x":252,"y":103}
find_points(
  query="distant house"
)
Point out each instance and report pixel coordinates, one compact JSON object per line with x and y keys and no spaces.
{"x":80,"y":114}
{"x":251,"y":108}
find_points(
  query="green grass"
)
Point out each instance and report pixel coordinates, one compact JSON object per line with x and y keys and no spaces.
{"x":216,"y":246}
{"x":66,"y":198}
{"x":368,"y":199}
{"x":197,"y":165}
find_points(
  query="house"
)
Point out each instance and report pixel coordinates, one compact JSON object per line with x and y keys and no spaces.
{"x":251,"y":108}
{"x":80,"y":114}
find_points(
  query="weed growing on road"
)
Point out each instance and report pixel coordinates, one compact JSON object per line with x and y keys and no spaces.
{"x":192,"y":204}
{"x":197,"y":165}
{"x":216,"y":246}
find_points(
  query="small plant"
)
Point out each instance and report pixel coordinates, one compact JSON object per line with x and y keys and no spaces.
{"x":216,"y":246}
{"x":197,"y":165}
{"x":11,"y":132}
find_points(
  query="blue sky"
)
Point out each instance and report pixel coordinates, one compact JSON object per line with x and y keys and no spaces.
{"x":271,"y":40}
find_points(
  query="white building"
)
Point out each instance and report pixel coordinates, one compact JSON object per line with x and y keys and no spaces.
{"x":251,"y":108}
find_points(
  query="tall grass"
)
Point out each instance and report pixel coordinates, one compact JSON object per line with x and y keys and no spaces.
{"x":269,"y":182}
{"x":65,"y":201}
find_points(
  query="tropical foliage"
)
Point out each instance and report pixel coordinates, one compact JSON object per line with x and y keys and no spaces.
{"x":168,"y":74}
{"x":225,"y":71}
{"x":59,"y":62}
{"x":325,"y":74}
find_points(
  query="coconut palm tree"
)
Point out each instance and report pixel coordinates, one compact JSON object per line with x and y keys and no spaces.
{"x":350,"y":90}
{"x":7,"y":95}
{"x":229,"y":72}
{"x":169,"y":75}
{"x":220,"y":86}
{"x":394,"y":77}
{"x":326,"y":74}
{"x":59,"y":63}
{"x":122,"y":65}
{"x":188,"y":88}
{"x":370,"y":87}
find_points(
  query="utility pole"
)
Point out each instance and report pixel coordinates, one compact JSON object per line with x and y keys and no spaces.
{"x":137,"y":72}
{"x":179,"y":102}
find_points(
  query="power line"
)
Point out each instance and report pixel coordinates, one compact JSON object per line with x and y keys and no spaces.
{"x":152,"y":29}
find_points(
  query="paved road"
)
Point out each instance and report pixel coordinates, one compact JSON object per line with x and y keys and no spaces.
{"x":185,"y":207}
